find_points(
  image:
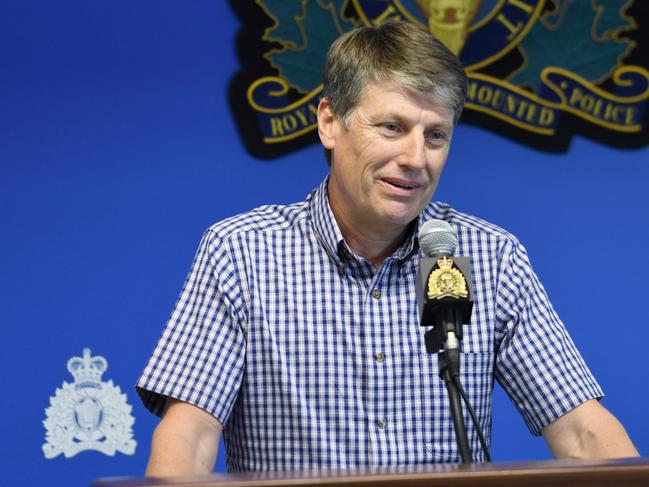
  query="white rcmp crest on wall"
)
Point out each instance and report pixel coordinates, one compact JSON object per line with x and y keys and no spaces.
{"x":88,"y":414}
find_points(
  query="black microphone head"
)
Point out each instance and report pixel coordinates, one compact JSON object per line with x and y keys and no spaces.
{"x":437,"y":237}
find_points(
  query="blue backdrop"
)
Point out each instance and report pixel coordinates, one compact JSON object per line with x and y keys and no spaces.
{"x":117,"y":149}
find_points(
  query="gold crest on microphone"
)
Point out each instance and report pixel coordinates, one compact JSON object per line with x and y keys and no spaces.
{"x":446,"y":281}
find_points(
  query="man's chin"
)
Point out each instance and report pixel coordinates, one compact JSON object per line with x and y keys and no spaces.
{"x":400,"y":219}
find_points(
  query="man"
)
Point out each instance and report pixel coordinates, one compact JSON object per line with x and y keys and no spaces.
{"x":296,"y":334}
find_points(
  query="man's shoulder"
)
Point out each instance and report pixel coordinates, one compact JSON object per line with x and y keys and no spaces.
{"x":466,"y":223}
{"x":263,"y":219}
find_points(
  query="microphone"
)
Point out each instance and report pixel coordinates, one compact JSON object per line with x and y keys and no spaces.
{"x":437,"y":237}
{"x":444,"y":290}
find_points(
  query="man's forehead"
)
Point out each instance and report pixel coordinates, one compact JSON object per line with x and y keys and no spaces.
{"x":376,"y":98}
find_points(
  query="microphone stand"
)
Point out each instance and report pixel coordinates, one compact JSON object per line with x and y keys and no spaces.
{"x":445,"y":339}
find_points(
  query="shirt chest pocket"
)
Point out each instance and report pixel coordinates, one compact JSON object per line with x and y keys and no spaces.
{"x":476,"y":374}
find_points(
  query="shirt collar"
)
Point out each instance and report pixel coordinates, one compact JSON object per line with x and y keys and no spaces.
{"x":324,"y":223}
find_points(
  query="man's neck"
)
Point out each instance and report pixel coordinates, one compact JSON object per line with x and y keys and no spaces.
{"x":374,"y":246}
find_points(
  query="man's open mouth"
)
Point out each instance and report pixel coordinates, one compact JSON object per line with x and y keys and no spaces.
{"x":401,"y":184}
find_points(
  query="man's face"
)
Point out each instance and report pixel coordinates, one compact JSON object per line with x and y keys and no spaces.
{"x":386,"y":163}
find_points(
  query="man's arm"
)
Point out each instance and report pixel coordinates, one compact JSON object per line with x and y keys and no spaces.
{"x":588,"y":431}
{"x":185,"y":442}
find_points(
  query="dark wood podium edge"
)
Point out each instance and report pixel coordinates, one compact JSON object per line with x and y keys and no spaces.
{"x":553,"y":473}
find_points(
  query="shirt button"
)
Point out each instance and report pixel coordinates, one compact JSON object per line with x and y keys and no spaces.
{"x":382,"y":423}
{"x":341,"y":271}
{"x":379,"y":357}
{"x":376,"y":294}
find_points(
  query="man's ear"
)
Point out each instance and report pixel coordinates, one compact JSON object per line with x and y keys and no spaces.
{"x":328,"y":124}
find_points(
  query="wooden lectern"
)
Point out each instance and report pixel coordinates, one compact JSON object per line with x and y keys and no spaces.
{"x":553,"y":473}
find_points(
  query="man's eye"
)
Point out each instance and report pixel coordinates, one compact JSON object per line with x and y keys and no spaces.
{"x":392,"y":127}
{"x":436,"y":135}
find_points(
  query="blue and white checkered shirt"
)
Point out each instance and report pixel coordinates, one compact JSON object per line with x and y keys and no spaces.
{"x":311,"y":357}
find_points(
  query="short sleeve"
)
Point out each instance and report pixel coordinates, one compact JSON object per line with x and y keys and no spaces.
{"x":537,"y":363}
{"x":200,"y":356}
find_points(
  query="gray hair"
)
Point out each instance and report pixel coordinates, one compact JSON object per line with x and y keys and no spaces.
{"x":399,"y":52}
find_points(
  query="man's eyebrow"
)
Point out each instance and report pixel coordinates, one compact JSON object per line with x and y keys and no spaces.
{"x":397,"y":117}
{"x":446,"y":126}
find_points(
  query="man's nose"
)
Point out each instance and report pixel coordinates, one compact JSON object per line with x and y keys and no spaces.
{"x":414,"y":150}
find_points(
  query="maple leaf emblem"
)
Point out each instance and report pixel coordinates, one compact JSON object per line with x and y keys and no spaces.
{"x":305,"y":29}
{"x":578,"y":36}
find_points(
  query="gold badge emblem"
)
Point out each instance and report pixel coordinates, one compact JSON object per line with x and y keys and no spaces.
{"x":446,"y":281}
{"x":449,"y":20}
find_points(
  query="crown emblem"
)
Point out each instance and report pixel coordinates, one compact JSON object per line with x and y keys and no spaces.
{"x":445,"y":263}
{"x":87,"y":370}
